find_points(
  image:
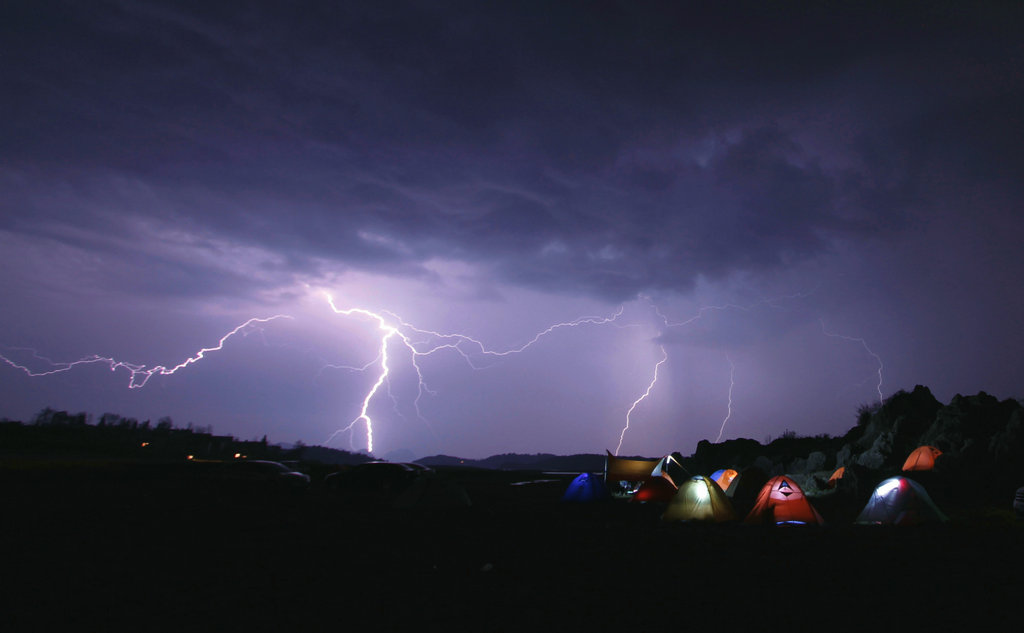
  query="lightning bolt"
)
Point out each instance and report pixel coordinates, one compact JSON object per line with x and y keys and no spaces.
{"x":732,"y":383}
{"x":622,"y":436}
{"x":429,"y":342}
{"x":139,"y":375}
{"x":864,"y":343}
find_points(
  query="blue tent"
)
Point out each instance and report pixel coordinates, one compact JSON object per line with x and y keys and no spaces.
{"x":585,"y":488}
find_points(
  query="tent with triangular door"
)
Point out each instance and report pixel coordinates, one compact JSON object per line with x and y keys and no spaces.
{"x":585,"y":488}
{"x":699,"y":499}
{"x":727,"y":479}
{"x":900,"y":501}
{"x":624,"y":476}
{"x":922,"y":458}
{"x":782,"y":501}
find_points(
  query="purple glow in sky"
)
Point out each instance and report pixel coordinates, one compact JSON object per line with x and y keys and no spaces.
{"x":795,"y":210}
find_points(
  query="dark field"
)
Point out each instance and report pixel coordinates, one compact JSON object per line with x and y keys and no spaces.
{"x":99,"y":548}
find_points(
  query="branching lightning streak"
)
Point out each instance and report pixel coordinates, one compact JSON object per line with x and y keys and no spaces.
{"x":771,"y":302}
{"x":864,"y":343}
{"x":452,"y":341}
{"x":139,"y":375}
{"x":732,"y":383}
{"x":622,"y":436}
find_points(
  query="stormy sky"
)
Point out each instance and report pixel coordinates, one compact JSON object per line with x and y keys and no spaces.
{"x":796,"y":208}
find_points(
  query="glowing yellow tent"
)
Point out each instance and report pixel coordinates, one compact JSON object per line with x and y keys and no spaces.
{"x":699,"y":499}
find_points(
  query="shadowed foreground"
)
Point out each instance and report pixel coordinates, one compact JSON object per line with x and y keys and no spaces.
{"x":97,"y":549}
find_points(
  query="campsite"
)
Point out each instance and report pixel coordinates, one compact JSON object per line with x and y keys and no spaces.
{"x":95,"y":551}
{"x":805,"y":533}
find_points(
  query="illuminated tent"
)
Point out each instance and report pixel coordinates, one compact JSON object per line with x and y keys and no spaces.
{"x":836,"y":476}
{"x":585,"y":488}
{"x":900,"y":501}
{"x":658,"y":488}
{"x":699,"y":499}
{"x":625,"y":476}
{"x":922,"y":458}
{"x":782,"y":501}
{"x":726,"y":478}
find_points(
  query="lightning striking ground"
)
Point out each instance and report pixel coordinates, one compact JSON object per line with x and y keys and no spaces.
{"x":435,"y":342}
{"x":622,"y":436}
{"x":864,"y":343}
{"x":418,"y":343}
{"x":732,"y":383}
{"x":139,"y":375}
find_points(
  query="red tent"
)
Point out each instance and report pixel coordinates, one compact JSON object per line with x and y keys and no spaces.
{"x":656,"y":489}
{"x":782,"y":501}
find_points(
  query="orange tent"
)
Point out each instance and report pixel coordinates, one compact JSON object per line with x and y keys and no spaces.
{"x":836,"y":476}
{"x":780,"y":501}
{"x":922,"y":458}
{"x":724,"y":478}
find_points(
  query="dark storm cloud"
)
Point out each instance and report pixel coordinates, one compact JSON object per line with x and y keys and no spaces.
{"x":599,"y":148}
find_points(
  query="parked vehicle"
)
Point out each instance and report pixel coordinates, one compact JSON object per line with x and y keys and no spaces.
{"x":374,"y":481}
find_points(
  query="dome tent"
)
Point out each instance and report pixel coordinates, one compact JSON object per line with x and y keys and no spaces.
{"x":726,"y":478}
{"x":921,"y":458}
{"x":585,"y":488}
{"x":699,"y":499}
{"x":782,"y":501}
{"x":900,"y":501}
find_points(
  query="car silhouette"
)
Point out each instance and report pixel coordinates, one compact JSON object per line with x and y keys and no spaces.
{"x":374,"y":481}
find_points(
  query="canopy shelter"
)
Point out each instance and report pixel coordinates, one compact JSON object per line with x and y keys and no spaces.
{"x":624,"y":476}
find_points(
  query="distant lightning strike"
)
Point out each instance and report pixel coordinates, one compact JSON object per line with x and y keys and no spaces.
{"x":732,"y":383}
{"x":864,"y":343}
{"x":622,"y":436}
{"x":452,"y":341}
{"x":139,"y":375}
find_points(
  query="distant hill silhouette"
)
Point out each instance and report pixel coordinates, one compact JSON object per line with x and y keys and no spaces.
{"x":978,"y":434}
{"x":514,"y":461}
